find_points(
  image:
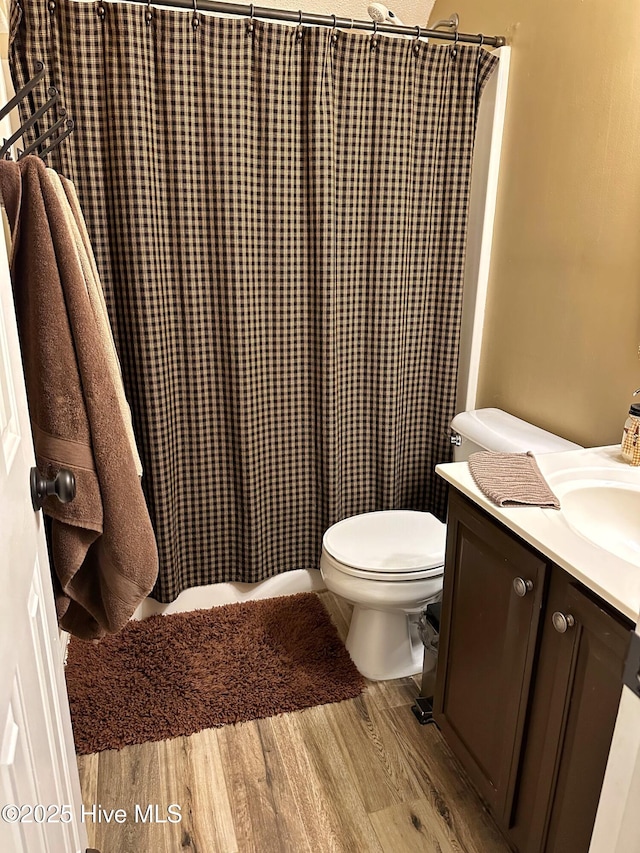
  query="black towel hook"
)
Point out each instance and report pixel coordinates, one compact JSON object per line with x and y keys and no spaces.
{"x":22,"y":93}
{"x":70,"y":124}
{"x":53,"y":100}
{"x":48,"y":133}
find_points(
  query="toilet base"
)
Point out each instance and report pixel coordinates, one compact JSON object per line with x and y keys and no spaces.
{"x":384,"y":644}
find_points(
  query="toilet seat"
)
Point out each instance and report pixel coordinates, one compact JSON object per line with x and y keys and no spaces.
{"x":391,"y":545}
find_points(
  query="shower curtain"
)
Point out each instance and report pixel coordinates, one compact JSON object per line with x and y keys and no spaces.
{"x":279,"y":221}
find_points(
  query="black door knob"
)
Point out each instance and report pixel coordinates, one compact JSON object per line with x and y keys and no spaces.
{"x":63,"y":486}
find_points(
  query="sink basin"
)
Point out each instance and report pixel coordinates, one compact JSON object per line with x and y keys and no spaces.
{"x":606,"y":512}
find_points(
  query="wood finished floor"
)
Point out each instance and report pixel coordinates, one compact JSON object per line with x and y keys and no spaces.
{"x":360,"y":776}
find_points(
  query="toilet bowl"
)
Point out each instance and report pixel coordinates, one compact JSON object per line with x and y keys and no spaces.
{"x":390,"y":564}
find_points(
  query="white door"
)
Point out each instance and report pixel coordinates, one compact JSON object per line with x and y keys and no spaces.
{"x":39,"y":784}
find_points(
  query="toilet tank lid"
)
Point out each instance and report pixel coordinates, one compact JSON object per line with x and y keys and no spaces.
{"x":388,"y":541}
{"x":497,"y":430}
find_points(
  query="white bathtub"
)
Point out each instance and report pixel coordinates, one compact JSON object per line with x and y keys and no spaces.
{"x":213,"y":595}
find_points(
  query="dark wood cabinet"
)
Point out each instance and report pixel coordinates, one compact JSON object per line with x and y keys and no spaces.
{"x":528,"y":683}
{"x":573,"y":713}
{"x":487,"y":647}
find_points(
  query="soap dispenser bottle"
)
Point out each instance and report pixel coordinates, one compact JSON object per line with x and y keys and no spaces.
{"x":631,"y":434}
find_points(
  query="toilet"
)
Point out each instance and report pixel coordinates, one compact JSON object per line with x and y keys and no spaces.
{"x":389,"y":565}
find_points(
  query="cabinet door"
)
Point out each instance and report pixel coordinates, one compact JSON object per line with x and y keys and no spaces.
{"x":584,"y":648}
{"x":487,"y":647}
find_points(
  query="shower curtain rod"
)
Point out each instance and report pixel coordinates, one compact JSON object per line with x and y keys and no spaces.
{"x":326,"y":20}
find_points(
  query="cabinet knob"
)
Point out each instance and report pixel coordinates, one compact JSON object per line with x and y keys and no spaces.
{"x":561,"y":622}
{"x":522,"y":587}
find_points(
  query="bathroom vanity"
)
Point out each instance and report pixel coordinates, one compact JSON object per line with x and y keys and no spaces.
{"x":536,"y":623}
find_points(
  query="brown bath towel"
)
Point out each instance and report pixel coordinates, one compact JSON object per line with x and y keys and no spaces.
{"x":75,"y":221}
{"x":103,"y":547}
{"x":511,"y":479}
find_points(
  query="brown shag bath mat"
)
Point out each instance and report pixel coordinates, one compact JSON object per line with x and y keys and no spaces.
{"x":175,"y":675}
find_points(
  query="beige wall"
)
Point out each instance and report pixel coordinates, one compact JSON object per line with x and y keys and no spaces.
{"x":563,"y":320}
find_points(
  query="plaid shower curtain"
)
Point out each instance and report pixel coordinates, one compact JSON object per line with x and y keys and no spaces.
{"x":279,"y":222}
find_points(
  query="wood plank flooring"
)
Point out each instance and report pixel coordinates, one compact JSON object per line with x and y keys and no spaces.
{"x":360,"y":776}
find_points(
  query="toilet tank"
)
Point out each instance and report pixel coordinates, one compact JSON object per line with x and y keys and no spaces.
{"x":493,"y":429}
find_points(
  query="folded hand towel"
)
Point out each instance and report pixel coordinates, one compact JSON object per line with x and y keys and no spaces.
{"x":511,"y":479}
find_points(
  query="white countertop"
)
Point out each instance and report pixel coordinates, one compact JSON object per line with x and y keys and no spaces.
{"x":614,"y":579}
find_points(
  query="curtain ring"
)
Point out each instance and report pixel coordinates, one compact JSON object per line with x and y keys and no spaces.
{"x":351,"y":24}
{"x":454,"y":47}
{"x":148,"y":15}
{"x":374,"y":36}
{"x":299,"y":30}
{"x":416,"y":42}
{"x":481,"y":36}
{"x":100,"y":10}
{"x":334,"y":34}
{"x":250,"y":24}
{"x":195,"y":21}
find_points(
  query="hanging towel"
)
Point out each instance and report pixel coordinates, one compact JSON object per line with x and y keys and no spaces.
{"x":74,"y":218}
{"x":103,"y":547}
{"x":511,"y":479}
